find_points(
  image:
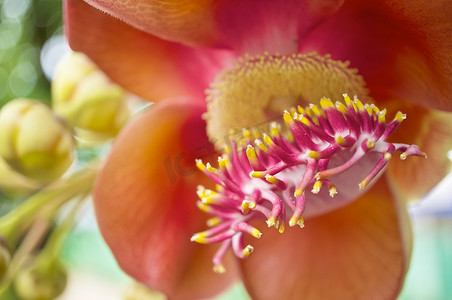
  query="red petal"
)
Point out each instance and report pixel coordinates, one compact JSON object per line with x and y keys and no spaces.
{"x":358,"y":252}
{"x":145,"y":201}
{"x":402,"y":48}
{"x":245,"y":26}
{"x":146,"y":65}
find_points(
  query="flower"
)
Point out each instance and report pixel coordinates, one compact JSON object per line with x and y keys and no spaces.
{"x":145,"y":194}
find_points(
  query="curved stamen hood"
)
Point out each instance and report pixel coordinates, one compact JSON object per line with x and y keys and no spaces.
{"x":334,"y":150}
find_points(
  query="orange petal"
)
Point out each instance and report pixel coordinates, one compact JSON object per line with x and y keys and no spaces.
{"x":431,"y":131}
{"x":145,"y":201}
{"x":145,"y":65}
{"x":358,"y":252}
{"x":402,"y":48}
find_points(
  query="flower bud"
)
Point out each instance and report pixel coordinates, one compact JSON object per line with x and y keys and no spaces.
{"x":40,"y":280}
{"x":138,"y":291}
{"x":87,"y":99}
{"x":34,"y":141}
{"x":5,"y":256}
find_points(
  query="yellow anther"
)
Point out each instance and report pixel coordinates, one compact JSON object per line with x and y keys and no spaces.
{"x":294,"y":221}
{"x":213,"y":221}
{"x":203,"y":207}
{"x":245,"y":206}
{"x":315,"y":109}
{"x":375,"y":109}
{"x":256,"y":233}
{"x":369,"y":109}
{"x":251,"y":154}
{"x":288,"y":118}
{"x":246,"y":133}
{"x":400,"y":116}
{"x":326,"y":103}
{"x":339,"y":139}
{"x":317,"y":186}
{"x":301,"y":110}
{"x":271,"y":179}
{"x":200,"y":165}
{"x":219,"y":188}
{"x":274,"y":131}
{"x":341,"y":107}
{"x":220,"y":269}
{"x":333,"y":191}
{"x":304,"y":120}
{"x":200,"y":191}
{"x":199,"y":237}
{"x":271,"y":222}
{"x":268,"y":140}
{"x":347,"y":99}
{"x":261,"y":145}
{"x":388,"y":156}
{"x":282,"y":228}
{"x":248,"y":250}
{"x":363,"y":184}
{"x":314,"y":154}
{"x":359,"y":104}
{"x":382,"y":116}
{"x":370,"y":144}
{"x":257,"y":174}
{"x":211,"y":169}
{"x":227,"y":149}
{"x":403,"y":156}
{"x":298,"y":192}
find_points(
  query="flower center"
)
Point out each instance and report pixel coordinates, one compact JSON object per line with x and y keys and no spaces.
{"x":282,"y":176}
{"x":289,"y":169}
{"x":260,"y":88}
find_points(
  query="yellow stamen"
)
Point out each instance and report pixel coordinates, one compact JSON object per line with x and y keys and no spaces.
{"x":213,"y":221}
{"x":400,"y":116}
{"x":326,"y":103}
{"x":200,"y":165}
{"x":248,"y":250}
{"x":317,"y":186}
{"x":220,"y":269}
{"x":251,"y":154}
{"x":370,"y":144}
{"x":271,"y":179}
{"x":199,"y":237}
{"x":257,"y":174}
{"x":256,"y":233}
{"x":333,"y":191}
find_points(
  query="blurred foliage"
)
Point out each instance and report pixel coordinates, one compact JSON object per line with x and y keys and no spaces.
{"x":25,"y":25}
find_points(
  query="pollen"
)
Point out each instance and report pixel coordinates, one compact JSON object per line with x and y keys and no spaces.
{"x":259,"y":88}
{"x":340,"y":145}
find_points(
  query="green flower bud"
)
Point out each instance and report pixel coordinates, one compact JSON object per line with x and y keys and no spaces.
{"x":40,"y":280}
{"x":34,"y":141}
{"x":5,"y":257}
{"x":87,"y":99}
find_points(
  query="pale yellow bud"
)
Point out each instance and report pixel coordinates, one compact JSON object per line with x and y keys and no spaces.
{"x":34,"y":141}
{"x":87,"y":99}
{"x":40,"y":280}
{"x":137,"y":291}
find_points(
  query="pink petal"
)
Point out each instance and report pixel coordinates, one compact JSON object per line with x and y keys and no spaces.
{"x":145,"y":201}
{"x":148,"y":66}
{"x":402,"y":48}
{"x":358,"y":252}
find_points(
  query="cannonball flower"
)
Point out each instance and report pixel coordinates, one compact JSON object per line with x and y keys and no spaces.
{"x":322,"y":166}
